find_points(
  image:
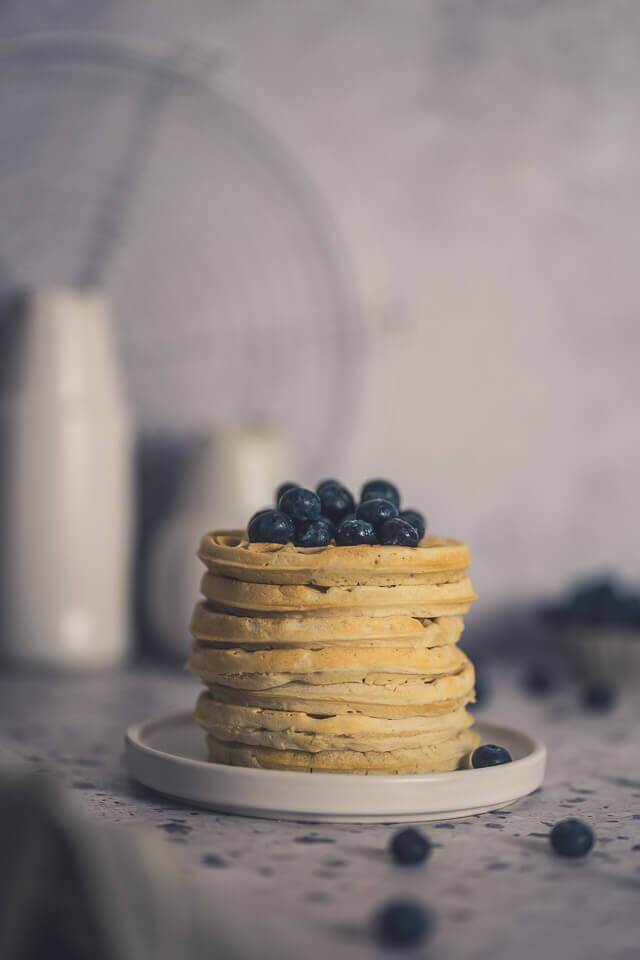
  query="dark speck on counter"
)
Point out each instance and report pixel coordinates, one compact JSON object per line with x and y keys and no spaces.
{"x":175,"y":829}
{"x":312,"y":839}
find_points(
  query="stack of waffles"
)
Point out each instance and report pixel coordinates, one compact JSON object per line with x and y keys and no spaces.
{"x":334,"y":659}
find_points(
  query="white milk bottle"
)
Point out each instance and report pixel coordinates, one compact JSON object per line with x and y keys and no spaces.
{"x":65,"y":485}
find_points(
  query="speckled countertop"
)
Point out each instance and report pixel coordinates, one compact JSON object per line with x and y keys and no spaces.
{"x":494,"y":886}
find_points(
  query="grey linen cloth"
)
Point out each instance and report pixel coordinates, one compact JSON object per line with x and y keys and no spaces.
{"x":78,"y":890}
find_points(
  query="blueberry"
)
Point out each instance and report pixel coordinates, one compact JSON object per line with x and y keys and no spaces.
{"x":327,"y":483}
{"x":630,"y":612}
{"x":410,"y":846}
{"x":398,"y":533}
{"x":571,"y":838}
{"x":282,"y":489}
{"x":337,"y":502}
{"x":376,"y":511}
{"x":257,"y":515}
{"x":352,"y":533}
{"x":416,"y":519}
{"x":380,"y":489}
{"x":402,"y":923}
{"x":596,"y":601}
{"x":329,"y":523}
{"x":489,"y":755}
{"x":271,"y":526}
{"x":599,"y":697}
{"x":540,"y":680}
{"x":316,"y":533}
{"x":555,"y":614}
{"x":300,"y":504}
{"x":598,"y":588}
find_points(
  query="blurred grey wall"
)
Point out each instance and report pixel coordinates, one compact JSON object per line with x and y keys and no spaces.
{"x":481,"y":163}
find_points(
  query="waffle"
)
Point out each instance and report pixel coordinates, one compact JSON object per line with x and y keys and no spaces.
{"x":229,"y":554}
{"x":432,"y":758}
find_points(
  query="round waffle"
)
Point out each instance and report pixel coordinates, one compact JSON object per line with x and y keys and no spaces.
{"x":260,"y":669}
{"x":229,"y":554}
{"x":436,"y":757}
{"x":299,"y":731}
{"x":378,"y":696}
{"x":300,"y":631}
{"x":416,"y":600}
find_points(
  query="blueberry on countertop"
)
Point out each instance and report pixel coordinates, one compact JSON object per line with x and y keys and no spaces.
{"x":489,"y":755}
{"x":337,"y":502}
{"x":376,"y":511}
{"x":380,"y":489}
{"x":300,"y":504}
{"x":540,"y":680}
{"x":416,"y":519}
{"x":571,"y":838}
{"x":410,"y":846}
{"x":282,"y":489}
{"x":316,"y":533}
{"x":401,"y":923}
{"x":271,"y":526}
{"x":398,"y":533}
{"x":599,"y":697}
{"x":353,"y":533}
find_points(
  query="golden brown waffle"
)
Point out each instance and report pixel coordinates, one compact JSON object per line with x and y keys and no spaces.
{"x":300,"y":631}
{"x":416,"y":600}
{"x":228,"y":553}
{"x":380,"y":696}
{"x":437,"y":757}
{"x":299,"y":731}
{"x":329,"y":665}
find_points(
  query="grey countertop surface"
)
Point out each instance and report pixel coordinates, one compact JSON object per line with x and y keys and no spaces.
{"x":495,"y":888}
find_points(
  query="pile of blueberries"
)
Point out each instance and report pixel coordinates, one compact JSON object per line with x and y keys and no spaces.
{"x":313,"y":518}
{"x":603,"y":601}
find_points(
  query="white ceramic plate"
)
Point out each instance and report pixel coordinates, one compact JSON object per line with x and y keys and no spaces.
{"x":168,"y":754}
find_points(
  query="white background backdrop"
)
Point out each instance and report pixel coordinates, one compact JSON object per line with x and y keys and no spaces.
{"x":481,"y":164}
